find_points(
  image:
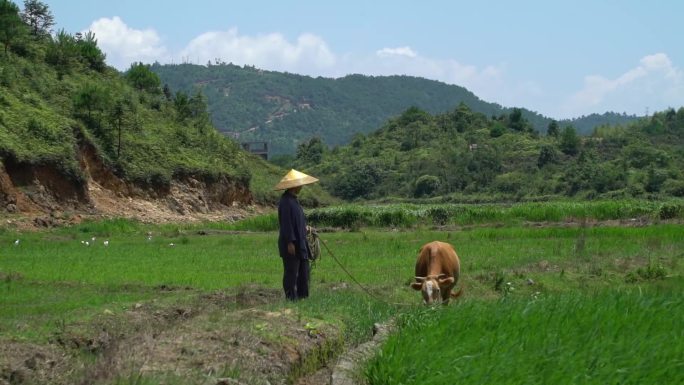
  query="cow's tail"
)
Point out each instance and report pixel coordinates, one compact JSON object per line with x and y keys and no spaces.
{"x":457,"y":294}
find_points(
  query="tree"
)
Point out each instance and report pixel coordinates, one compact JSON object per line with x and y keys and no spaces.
{"x":570,"y":142}
{"x":182,"y":104}
{"x":553,"y":129}
{"x":117,"y":115}
{"x":547,"y":155}
{"x":427,"y":185}
{"x":414,"y":114}
{"x":11,"y":25}
{"x":93,"y":99}
{"x":167,"y":92}
{"x":516,"y":121}
{"x":198,"y":105}
{"x":142,"y":78}
{"x":62,"y":53}
{"x":497,"y":130}
{"x":654,"y":179}
{"x":311,"y":152}
{"x":90,"y":52}
{"x":357,"y":182}
{"x":38,"y":17}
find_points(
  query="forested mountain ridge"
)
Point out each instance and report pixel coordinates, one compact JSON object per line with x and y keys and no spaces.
{"x":286,"y":109}
{"x":464,"y":155}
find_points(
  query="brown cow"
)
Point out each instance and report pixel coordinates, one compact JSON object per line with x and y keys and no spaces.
{"x":437,"y":271}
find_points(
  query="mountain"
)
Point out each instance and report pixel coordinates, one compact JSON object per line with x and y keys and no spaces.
{"x":286,"y":109}
{"x":467,"y":156}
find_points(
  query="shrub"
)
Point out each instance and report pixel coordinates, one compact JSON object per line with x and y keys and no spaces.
{"x":427,"y":185}
{"x":670,"y":210}
{"x":653,"y":271}
{"x":439,"y":215}
{"x":673,"y":187}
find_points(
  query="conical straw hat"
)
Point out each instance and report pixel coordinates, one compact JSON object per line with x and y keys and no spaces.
{"x":294,"y":178}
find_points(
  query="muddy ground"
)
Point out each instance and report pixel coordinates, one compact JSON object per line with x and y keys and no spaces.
{"x":250,"y":336}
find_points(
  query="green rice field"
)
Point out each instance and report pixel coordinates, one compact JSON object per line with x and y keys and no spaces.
{"x":552,"y":303}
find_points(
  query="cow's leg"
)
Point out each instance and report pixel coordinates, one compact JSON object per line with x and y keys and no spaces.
{"x":446,"y":295}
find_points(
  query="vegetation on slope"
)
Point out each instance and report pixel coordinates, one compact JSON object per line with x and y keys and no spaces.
{"x":466,"y":156}
{"x":287,"y":109}
{"x":57,"y":93}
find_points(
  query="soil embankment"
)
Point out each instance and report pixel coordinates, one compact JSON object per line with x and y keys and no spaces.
{"x":44,"y":195}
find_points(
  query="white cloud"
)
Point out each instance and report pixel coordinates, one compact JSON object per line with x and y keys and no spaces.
{"x":655,"y":84}
{"x":124,"y":45}
{"x":399,"y":51}
{"x":309,"y":54}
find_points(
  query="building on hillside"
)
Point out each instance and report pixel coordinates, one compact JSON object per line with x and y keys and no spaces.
{"x":257,"y":148}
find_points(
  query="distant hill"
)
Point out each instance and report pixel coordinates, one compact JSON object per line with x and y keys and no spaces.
{"x":466,"y":156}
{"x":287,"y":109}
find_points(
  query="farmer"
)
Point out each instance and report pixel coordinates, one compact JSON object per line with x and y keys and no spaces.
{"x":294,"y":250}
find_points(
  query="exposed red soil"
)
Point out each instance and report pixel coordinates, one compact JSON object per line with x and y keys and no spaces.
{"x":43,"y":195}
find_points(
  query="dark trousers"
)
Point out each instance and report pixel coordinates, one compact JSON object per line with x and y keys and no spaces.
{"x":295,"y":277}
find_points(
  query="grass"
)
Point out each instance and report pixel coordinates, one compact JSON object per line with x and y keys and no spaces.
{"x":550,"y":304}
{"x":618,"y":337}
{"x":556,"y":258}
{"x":35,"y":310}
{"x":410,"y":215}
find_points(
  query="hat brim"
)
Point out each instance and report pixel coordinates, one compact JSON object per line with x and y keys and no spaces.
{"x":287,"y":184}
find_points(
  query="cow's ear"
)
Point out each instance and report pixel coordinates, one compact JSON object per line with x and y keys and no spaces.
{"x":417,"y":285}
{"x":446,"y":281}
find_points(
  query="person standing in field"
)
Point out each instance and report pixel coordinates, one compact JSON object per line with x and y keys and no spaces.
{"x":292,"y":244}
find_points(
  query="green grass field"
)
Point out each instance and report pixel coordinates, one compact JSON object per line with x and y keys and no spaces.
{"x":531,"y":293}
{"x":627,"y":336}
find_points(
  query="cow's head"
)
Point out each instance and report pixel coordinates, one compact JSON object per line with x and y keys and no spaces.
{"x":431,"y":287}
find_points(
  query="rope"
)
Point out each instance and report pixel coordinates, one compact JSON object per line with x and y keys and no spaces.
{"x":359,"y":283}
{"x":314,"y":245}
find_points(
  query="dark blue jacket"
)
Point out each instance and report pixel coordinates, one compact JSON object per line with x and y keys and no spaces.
{"x":292,"y":226}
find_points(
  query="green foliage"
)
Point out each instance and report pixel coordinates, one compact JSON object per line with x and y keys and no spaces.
{"x":63,"y":98}
{"x":497,"y":130}
{"x":569,"y":141}
{"x":671,"y":210}
{"x":466,"y":162}
{"x":547,"y":155}
{"x":296,"y":108}
{"x":408,"y":215}
{"x":654,"y":270}
{"x":654,"y":179}
{"x":142,"y":78}
{"x":11,"y":26}
{"x":553,"y":129}
{"x":427,"y":185}
{"x":311,"y":152}
{"x":38,"y":17}
{"x":91,"y":53}
{"x":62,"y":53}
{"x":358,"y":182}
{"x":673,"y":187}
{"x":90,"y":102}
{"x":517,"y":122}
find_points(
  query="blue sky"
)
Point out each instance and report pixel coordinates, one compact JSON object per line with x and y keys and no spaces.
{"x":562,"y":59}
